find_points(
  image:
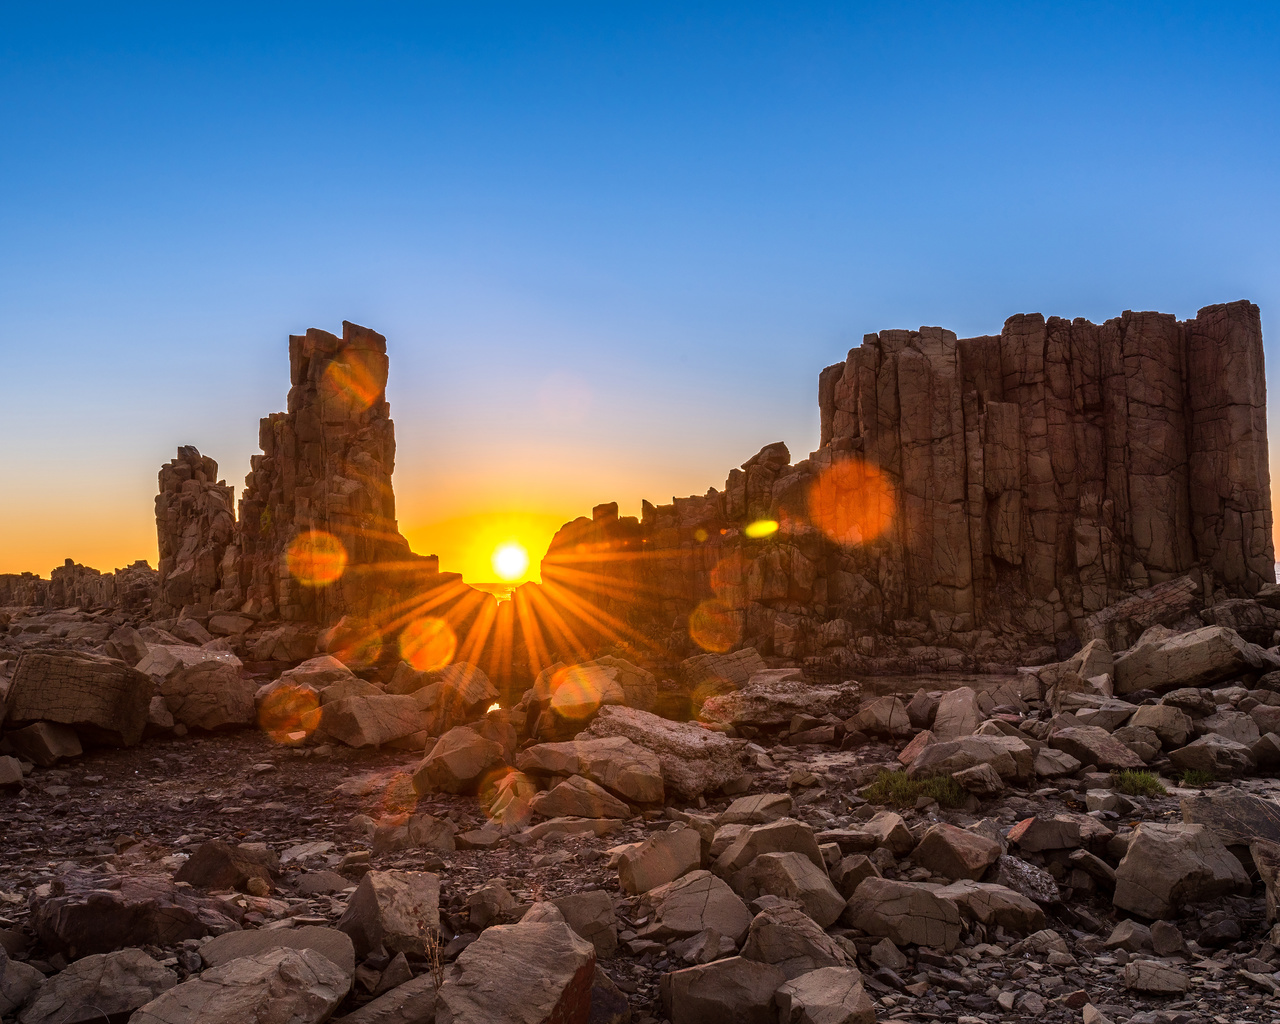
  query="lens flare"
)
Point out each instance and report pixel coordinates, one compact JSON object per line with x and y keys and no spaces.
{"x":316,"y":558}
{"x":713,"y":626}
{"x":428,"y":644}
{"x":510,"y":560}
{"x":357,"y":376}
{"x":852,"y":502}
{"x":289,"y":714}
{"x":506,"y":796}
{"x":761,"y":528}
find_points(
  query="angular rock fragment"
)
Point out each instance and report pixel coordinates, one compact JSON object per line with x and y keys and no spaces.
{"x":781,"y":836}
{"x":829,"y":995}
{"x":1167,"y":866}
{"x":616,"y":763}
{"x":45,"y":743}
{"x":955,"y":853}
{"x":791,"y":876}
{"x":219,"y":865}
{"x":906,"y":912}
{"x":104,"y":985}
{"x":210,"y":695}
{"x":1221,"y":758}
{"x":659,"y":859}
{"x":457,"y":762}
{"x":590,"y":914}
{"x":578,"y":797}
{"x":696,"y":902}
{"x":792,"y":941}
{"x":692,"y":760}
{"x":396,"y":909}
{"x":105,"y":701}
{"x":734,"y":989}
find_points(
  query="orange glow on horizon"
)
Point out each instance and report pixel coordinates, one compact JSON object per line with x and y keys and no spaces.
{"x":469,"y":544}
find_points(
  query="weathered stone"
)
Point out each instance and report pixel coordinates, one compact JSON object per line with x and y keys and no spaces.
{"x":1090,"y":745}
{"x":791,"y":876}
{"x":105,"y":701}
{"x":782,"y":836}
{"x":981,"y":780}
{"x":906,"y":912}
{"x":1233,"y":725}
{"x":955,"y":853}
{"x":210,"y":695}
{"x":1009,"y":756}
{"x":849,"y":873}
{"x":995,"y":905}
{"x":695,"y":903}
{"x":489,"y":983}
{"x":396,"y":909}
{"x":829,"y":995}
{"x":1038,"y":833}
{"x":370,"y":721}
{"x":1167,"y":866}
{"x":298,"y":986}
{"x":105,"y":985}
{"x":773,"y":697}
{"x":163,"y":660}
{"x":733,"y":989}
{"x":661,"y":858}
{"x":18,"y":982}
{"x":591,"y":915}
{"x":457,"y":762}
{"x":1131,"y":936}
{"x":757,"y":809}
{"x":614,"y":762}
{"x":792,"y":941}
{"x":578,"y":797}
{"x":328,"y":942}
{"x":219,"y":865}
{"x":958,"y":714}
{"x":1154,"y":977}
{"x":882,"y":716}
{"x":136,"y":910}
{"x":1197,"y":658}
{"x":1221,"y":758}
{"x":414,"y":1002}
{"x":1236,"y":818}
{"x":1026,"y":879}
{"x":1050,"y":763}
{"x":1173,"y":726}
{"x":45,"y":743}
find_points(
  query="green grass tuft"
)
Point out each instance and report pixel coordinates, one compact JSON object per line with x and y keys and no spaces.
{"x":897,"y":790}
{"x":1195,"y":778}
{"x":1137,"y":783}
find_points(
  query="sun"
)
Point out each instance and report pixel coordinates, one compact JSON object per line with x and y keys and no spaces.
{"x":510,"y":560}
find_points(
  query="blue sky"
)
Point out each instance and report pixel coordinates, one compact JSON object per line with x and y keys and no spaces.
{"x":611,"y":245}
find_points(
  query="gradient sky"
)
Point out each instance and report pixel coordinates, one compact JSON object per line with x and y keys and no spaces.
{"x":611,"y":245}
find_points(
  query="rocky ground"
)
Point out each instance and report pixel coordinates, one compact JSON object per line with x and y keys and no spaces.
{"x":1026,"y":859}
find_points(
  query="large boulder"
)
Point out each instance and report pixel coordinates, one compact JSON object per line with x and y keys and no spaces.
{"x":1090,"y":744}
{"x":773,"y":697}
{"x":829,"y":995}
{"x":735,"y":989}
{"x":660,"y":859}
{"x":370,"y":720}
{"x":298,"y":986}
{"x":105,"y":701}
{"x":785,"y":835}
{"x":399,"y":910}
{"x":219,"y":865}
{"x":707,"y":674}
{"x":580,"y":798}
{"x":1168,"y":866}
{"x":18,"y":981}
{"x":210,"y":695}
{"x":694,"y":903}
{"x":1238,"y":819}
{"x":102,"y":986}
{"x":1218,"y":756}
{"x":1172,"y":725}
{"x":1197,"y":658}
{"x":458,"y":762}
{"x":693,"y":760}
{"x":995,"y":905}
{"x":591,"y":915}
{"x":955,"y":853}
{"x":328,"y":942}
{"x":93,"y":913}
{"x":792,"y":876}
{"x":909,"y":913}
{"x":538,"y":971}
{"x":958,"y":714}
{"x":1009,"y":756}
{"x":614,"y":762}
{"x":160,"y":661}
{"x":792,"y":941}
{"x":45,"y":743}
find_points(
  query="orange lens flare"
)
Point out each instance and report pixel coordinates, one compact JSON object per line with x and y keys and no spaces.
{"x":316,"y":558}
{"x":506,"y":797}
{"x":428,"y":644}
{"x":289,"y":714}
{"x":356,"y":377}
{"x":852,"y":502}
{"x":713,"y":626}
{"x":761,"y":528}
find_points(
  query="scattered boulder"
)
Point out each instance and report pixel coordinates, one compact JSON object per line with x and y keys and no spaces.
{"x":956,"y":853}
{"x":661,"y":858}
{"x":829,"y":995}
{"x":707,"y":674}
{"x":1219,"y":757}
{"x":692,"y":760}
{"x":1171,"y":724}
{"x":210,"y":695}
{"x":1238,"y":819}
{"x":457,"y":762}
{"x":328,"y":942}
{"x":981,"y":780}
{"x":791,"y":876}
{"x":1009,"y":756}
{"x":1167,"y":866}
{"x":45,"y":743}
{"x":757,"y":809}
{"x":697,"y":902}
{"x":591,"y":915}
{"x":538,"y":971}
{"x":1197,"y":658}
{"x":578,"y":797}
{"x":1090,"y":744}
{"x":958,"y":714}
{"x":782,"y":836}
{"x":295,"y":985}
{"x":370,"y":720}
{"x":18,"y":981}
{"x":735,"y":989}
{"x":909,"y":913}
{"x":1154,"y":977}
{"x":104,"y":985}
{"x":792,"y":941}
{"x":615,"y":762}
{"x":105,"y":701}
{"x":219,"y":865}
{"x":399,"y":910}
{"x":882,"y":716}
{"x":994,"y":905}
{"x":772,"y":697}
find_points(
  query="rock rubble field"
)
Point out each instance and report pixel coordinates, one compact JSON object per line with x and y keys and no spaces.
{"x":196,"y":834}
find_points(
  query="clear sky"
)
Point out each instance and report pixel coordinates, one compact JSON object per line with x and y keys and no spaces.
{"x":611,"y":245}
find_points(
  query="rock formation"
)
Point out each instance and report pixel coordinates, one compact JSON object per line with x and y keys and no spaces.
{"x":195,"y":524}
{"x":1014,"y":484}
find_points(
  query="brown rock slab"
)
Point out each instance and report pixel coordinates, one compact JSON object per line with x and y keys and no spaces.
{"x":735,"y":989}
{"x":329,"y":942}
{"x":659,"y":859}
{"x":105,"y":985}
{"x":791,"y":876}
{"x":614,"y":762}
{"x":955,"y":853}
{"x":1167,"y":866}
{"x":828,"y":995}
{"x":578,"y":797}
{"x":396,"y":909}
{"x":792,"y":941}
{"x":103,"y":700}
{"x":695,"y":903}
{"x":906,"y":912}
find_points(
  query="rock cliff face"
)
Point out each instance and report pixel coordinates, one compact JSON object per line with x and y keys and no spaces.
{"x":1011,"y":485}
